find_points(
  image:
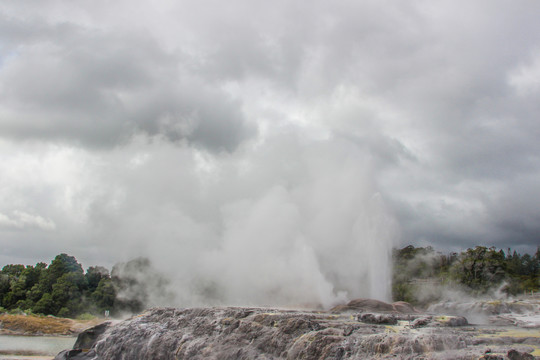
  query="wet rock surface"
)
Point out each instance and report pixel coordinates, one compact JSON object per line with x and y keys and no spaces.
{"x":88,"y":338}
{"x":260,"y":333}
{"x":521,"y":312}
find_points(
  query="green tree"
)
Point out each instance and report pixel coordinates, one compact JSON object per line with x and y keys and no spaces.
{"x":17,"y":291}
{"x":45,"y":305}
{"x":94,"y":275}
{"x":4,"y":288}
{"x":104,"y":296}
{"x":67,"y":293}
{"x":480,"y":268}
{"x":62,"y":288}
{"x":63,"y":264}
{"x":13,"y":270}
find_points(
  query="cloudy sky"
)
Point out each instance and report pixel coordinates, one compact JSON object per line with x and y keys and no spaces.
{"x":247,"y":135}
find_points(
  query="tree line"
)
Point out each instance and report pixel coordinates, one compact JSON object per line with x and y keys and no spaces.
{"x":64,"y":289}
{"x":476,"y":271}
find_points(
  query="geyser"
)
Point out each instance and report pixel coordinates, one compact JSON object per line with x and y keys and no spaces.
{"x":286,"y":223}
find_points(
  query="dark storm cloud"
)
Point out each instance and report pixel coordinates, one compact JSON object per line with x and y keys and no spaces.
{"x":75,"y":84}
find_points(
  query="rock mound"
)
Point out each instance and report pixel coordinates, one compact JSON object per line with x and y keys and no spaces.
{"x":372,"y":305}
{"x":258,"y":333}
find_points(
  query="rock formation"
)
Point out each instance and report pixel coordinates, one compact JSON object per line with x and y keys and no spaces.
{"x":354,"y":331}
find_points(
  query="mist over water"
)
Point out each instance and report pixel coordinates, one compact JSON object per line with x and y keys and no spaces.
{"x":293,"y":223}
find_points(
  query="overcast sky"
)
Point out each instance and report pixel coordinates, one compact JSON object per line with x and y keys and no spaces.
{"x":175,"y":128}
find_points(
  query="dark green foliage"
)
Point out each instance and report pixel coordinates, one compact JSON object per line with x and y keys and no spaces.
{"x":479,"y":268}
{"x":64,"y":289}
{"x":4,"y":287}
{"x":67,"y":293}
{"x":64,"y":264}
{"x":475,"y":270}
{"x":94,"y":275}
{"x":61,"y":288}
{"x":525,"y":272}
{"x":104,"y":296}
{"x":12,"y":270}
{"x":45,"y":305}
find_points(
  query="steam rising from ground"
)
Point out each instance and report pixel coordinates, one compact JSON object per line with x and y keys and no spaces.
{"x":292,"y":223}
{"x":431,"y":281}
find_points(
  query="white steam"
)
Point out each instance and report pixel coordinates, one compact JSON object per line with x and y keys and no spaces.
{"x":283,"y":221}
{"x":307,"y":227}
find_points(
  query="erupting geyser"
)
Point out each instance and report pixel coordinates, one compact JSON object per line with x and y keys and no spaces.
{"x":305,"y":228}
{"x":273,"y":254}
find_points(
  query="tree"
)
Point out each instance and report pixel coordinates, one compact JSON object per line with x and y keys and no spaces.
{"x":59,"y":289}
{"x":45,"y":305}
{"x":67,"y":293}
{"x":63,"y":264}
{"x":104,"y":296}
{"x":13,"y":270}
{"x":17,"y":291}
{"x":94,"y":275}
{"x":480,"y":268}
{"x":4,"y":288}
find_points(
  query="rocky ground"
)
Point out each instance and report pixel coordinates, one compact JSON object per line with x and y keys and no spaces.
{"x":521,"y":312}
{"x":362,"y":329}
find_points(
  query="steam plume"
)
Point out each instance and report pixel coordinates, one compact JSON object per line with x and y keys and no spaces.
{"x":292,"y":223}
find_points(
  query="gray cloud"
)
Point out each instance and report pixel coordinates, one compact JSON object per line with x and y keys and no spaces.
{"x":191,"y":123}
{"x":20,"y":219}
{"x":78,"y":84}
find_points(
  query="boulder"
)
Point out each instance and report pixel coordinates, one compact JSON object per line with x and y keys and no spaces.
{"x":384,"y":319}
{"x":364,"y":305}
{"x":404,"y":307}
{"x":88,"y":338}
{"x":83,"y":347}
{"x":517,"y":355}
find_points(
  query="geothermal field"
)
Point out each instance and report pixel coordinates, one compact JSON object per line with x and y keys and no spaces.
{"x":360,"y":329}
{"x":233,"y":179}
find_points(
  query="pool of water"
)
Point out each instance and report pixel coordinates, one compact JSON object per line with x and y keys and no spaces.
{"x":33,"y":347}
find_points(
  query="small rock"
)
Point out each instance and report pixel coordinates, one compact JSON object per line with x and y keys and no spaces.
{"x":384,"y":319}
{"x":348,"y":331}
{"x":517,"y":355}
{"x":492,"y":357}
{"x":452,"y":321}
{"x":421,"y":322}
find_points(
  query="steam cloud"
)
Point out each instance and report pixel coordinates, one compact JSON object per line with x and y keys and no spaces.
{"x":250,"y":155}
{"x":307,"y":227}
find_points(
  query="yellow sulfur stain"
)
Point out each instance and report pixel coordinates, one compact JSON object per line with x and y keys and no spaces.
{"x":390,"y":328}
{"x":518,"y":333}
